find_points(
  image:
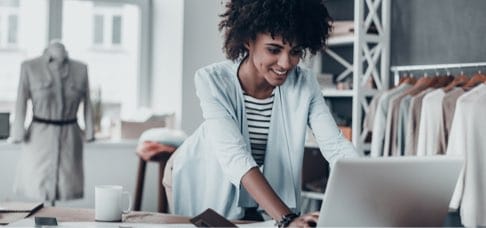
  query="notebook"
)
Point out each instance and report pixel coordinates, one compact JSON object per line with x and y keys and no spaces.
{"x":13,"y":211}
{"x":396,"y":191}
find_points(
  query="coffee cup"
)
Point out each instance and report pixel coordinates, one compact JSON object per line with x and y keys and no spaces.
{"x":109,"y":201}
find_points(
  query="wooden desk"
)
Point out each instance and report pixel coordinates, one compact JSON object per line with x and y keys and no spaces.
{"x":87,"y":215}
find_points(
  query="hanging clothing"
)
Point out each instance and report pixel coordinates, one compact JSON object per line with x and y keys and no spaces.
{"x":51,"y":164}
{"x":467,"y":139}
{"x":370,"y":114}
{"x":430,"y":124}
{"x":209,"y":165}
{"x":414,"y":123}
{"x":379,"y":123}
{"x":403,"y":117}
{"x":448,"y":109}
{"x":390,"y":147}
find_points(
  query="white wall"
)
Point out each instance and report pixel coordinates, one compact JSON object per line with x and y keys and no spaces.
{"x":167,"y":31}
{"x":185,"y":38}
{"x":202,"y":46}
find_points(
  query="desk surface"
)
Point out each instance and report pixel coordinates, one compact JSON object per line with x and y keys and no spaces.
{"x":87,"y":215}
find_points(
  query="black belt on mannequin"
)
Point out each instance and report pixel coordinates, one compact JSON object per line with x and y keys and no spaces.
{"x":55,"y":122}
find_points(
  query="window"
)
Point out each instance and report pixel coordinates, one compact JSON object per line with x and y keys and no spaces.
{"x":98,"y":29}
{"x":110,"y":45}
{"x":116,"y":30}
{"x":9,"y":13}
{"x":110,"y":36}
{"x":23,"y":35}
{"x":107,"y":24}
{"x":12,"y":29}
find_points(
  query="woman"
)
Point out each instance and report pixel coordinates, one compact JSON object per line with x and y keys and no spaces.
{"x":247,"y":154}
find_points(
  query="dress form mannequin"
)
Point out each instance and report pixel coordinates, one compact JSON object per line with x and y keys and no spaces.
{"x":57,"y":51}
{"x":51,"y":164}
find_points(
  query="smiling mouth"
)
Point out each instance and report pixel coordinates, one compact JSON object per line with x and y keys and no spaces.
{"x":280,"y":73}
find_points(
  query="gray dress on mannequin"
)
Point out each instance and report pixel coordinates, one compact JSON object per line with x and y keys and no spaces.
{"x":51,"y":164}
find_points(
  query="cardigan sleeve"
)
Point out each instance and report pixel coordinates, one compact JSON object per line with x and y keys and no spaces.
{"x":330,"y":139}
{"x":228,"y":144}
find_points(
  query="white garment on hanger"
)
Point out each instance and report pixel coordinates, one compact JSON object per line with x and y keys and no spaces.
{"x":379,"y":123}
{"x":403,"y":117}
{"x":467,"y":139}
{"x":430,"y":124}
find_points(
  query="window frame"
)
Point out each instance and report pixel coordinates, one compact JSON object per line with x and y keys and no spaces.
{"x":7,"y":12}
{"x":108,"y":16}
{"x":145,"y":65}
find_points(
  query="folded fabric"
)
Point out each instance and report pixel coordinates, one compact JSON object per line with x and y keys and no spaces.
{"x":342,"y":28}
{"x":166,"y":136}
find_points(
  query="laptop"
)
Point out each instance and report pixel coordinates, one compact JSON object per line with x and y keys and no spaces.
{"x":396,"y":191}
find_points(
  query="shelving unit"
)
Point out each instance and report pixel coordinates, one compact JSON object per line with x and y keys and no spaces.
{"x":371,"y":54}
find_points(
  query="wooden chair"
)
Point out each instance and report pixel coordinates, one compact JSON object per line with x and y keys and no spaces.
{"x":165,"y":136}
{"x":162,"y":159}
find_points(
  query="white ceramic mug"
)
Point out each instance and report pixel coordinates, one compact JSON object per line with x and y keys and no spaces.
{"x":109,"y":201}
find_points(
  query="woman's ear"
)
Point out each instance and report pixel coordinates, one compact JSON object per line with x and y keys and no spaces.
{"x":247,"y":45}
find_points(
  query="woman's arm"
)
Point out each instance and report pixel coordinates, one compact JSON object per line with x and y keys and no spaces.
{"x":258,"y":187}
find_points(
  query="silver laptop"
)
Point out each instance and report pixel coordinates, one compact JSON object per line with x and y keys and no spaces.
{"x":402,"y":191}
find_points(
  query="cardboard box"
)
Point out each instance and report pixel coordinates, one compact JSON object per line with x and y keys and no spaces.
{"x":133,"y":129}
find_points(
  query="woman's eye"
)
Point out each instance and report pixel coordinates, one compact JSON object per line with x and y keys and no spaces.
{"x":296,"y":52}
{"x":273,"y":50}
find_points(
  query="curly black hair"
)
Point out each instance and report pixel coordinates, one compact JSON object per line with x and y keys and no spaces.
{"x":305,"y":23}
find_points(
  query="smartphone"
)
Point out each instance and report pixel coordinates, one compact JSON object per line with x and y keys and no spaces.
{"x":210,"y":218}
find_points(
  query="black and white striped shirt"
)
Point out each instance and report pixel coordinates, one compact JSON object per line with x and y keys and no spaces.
{"x":258,"y":114}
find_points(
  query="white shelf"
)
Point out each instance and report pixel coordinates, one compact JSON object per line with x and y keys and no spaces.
{"x":348,"y":39}
{"x":332,"y":92}
{"x":341,"y":40}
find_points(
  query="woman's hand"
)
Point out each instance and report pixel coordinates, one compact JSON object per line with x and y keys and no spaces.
{"x":148,"y":149}
{"x":307,"y":220}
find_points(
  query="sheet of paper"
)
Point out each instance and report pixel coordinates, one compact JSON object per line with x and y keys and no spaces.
{"x":7,"y":218}
{"x":268,"y":223}
{"x":19,"y":206}
{"x":30,"y":223}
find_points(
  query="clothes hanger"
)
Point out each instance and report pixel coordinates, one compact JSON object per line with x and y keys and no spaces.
{"x":459,"y":80}
{"x":443,"y":80}
{"x":407,"y":78}
{"x":422,"y":83}
{"x":475,"y":80}
{"x":404,"y":78}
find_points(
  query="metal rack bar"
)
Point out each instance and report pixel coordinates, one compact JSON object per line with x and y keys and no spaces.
{"x":397,"y":69}
{"x":436,"y":66}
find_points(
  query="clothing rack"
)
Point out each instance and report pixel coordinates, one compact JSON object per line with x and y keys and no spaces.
{"x":397,"y":69}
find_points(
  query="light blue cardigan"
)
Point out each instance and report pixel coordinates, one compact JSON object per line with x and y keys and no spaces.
{"x":208,"y":167}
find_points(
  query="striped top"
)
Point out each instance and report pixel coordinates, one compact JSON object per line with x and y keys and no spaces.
{"x":258,"y":114}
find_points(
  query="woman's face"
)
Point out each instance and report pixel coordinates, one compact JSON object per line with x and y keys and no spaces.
{"x":272,"y":59}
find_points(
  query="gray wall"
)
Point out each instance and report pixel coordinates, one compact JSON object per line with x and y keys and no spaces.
{"x":430,"y":31}
{"x":438,"y":31}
